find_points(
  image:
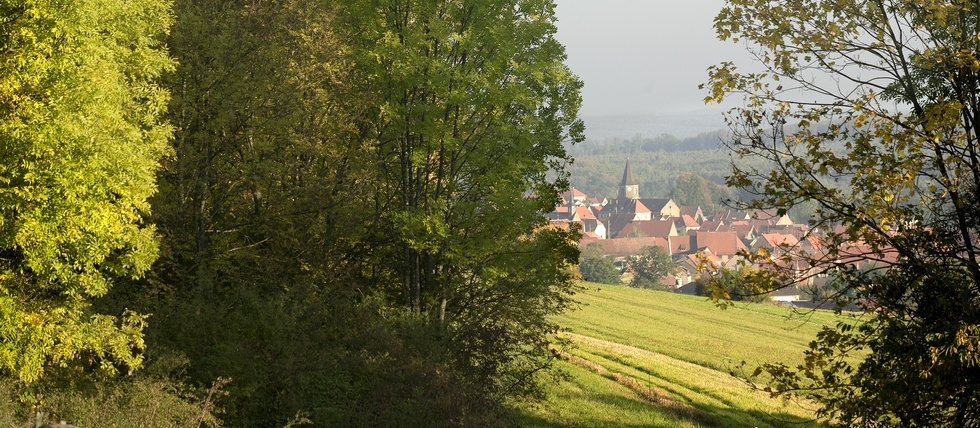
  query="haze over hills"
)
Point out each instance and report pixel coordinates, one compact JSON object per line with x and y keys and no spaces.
{"x":680,"y":125}
{"x":649,"y":139}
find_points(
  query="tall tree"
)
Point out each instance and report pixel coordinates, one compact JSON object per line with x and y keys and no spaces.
{"x":884,"y":97}
{"x":474,"y":106}
{"x":264,"y":151}
{"x":261,"y":207}
{"x":80,"y":140}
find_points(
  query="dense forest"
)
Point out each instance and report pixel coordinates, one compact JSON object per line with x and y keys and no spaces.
{"x":287,"y":212}
{"x":692,"y":170}
{"x":280,"y":213}
{"x":657,"y":162}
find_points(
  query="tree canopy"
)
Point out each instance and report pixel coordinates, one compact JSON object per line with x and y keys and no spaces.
{"x":594,"y":267}
{"x":346,"y":226}
{"x":649,"y":268}
{"x":473,"y":108}
{"x":380,"y":169}
{"x":870,"y":109}
{"x":80,"y":142}
{"x":693,"y":189}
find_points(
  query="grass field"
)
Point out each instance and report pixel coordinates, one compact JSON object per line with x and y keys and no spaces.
{"x":657,"y":359}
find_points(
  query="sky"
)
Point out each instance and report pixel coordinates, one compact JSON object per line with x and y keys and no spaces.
{"x":642,"y":57}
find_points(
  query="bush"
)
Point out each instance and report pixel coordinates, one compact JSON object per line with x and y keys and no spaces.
{"x":154,"y":397}
{"x":599,"y":269}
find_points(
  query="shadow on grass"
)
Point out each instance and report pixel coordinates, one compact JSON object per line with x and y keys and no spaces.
{"x":611,"y":410}
{"x":591,"y":399}
{"x":734,"y":417}
{"x":725,"y":417}
{"x":604,"y":410}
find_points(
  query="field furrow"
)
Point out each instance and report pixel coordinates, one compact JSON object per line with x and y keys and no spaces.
{"x":648,"y":358}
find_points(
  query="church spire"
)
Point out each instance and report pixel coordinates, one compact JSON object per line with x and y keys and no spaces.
{"x":628,"y":189}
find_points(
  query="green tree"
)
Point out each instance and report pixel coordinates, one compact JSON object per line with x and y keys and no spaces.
{"x":595,"y":267}
{"x":263,"y":173}
{"x":349,"y":192}
{"x":80,"y":141}
{"x":649,"y":268}
{"x":744,"y":284}
{"x":693,"y":189}
{"x":261,"y":208}
{"x":473,"y":108}
{"x":883,"y":97}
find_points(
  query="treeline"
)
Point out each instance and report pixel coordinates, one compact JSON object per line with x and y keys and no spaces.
{"x":280,"y":213}
{"x":655,"y":172}
{"x":641,"y":143}
{"x":692,"y":171}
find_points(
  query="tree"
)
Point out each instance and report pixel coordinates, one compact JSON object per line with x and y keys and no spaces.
{"x":870,"y":109}
{"x":80,"y":140}
{"x":692,"y":189}
{"x":261,"y":209}
{"x":379,"y":169}
{"x":264,"y":167}
{"x":744,"y":284}
{"x":595,"y":267}
{"x":651,"y":267}
{"x":473,"y":106}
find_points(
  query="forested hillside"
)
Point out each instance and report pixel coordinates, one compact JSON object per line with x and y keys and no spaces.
{"x":671,"y":167}
{"x":280,"y":213}
{"x":657,"y":162}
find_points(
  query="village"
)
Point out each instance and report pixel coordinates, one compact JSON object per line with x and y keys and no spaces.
{"x":701,"y":243}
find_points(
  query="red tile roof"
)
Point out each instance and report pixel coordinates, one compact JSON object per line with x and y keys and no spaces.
{"x":720,"y":243}
{"x":779,"y":239}
{"x":657,"y":228}
{"x":629,"y":246}
{"x":584,"y":213}
{"x":681,"y":244}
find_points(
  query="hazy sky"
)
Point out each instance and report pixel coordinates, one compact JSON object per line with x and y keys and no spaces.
{"x":642,"y":56}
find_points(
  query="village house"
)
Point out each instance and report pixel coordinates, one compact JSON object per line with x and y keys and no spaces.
{"x":575,"y":197}
{"x":628,"y":225}
{"x":652,"y":228}
{"x":628,"y":207}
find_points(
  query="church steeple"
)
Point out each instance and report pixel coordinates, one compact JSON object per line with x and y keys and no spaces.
{"x":628,"y":189}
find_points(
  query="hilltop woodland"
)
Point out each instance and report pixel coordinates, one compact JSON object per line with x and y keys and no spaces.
{"x":690,"y":171}
{"x":657,"y":164}
{"x":280,"y":213}
{"x":897,"y":83}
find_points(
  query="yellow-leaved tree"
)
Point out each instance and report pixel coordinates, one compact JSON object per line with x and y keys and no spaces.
{"x":80,"y":139}
{"x":870,"y":110}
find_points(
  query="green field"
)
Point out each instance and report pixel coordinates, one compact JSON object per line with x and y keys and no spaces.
{"x":649,"y":358}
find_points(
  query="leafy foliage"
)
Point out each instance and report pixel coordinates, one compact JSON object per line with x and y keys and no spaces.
{"x":692,"y":189}
{"x":744,"y":284}
{"x":80,"y":140}
{"x":595,"y":267}
{"x":903,"y":188}
{"x":362,"y":167}
{"x":473,"y":108}
{"x":350,"y":212}
{"x":651,"y":267}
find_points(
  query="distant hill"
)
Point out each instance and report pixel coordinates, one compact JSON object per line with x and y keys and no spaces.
{"x":680,"y":125}
{"x":657,"y":162}
{"x":661,"y":147}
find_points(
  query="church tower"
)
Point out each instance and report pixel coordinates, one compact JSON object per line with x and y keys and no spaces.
{"x":628,"y":189}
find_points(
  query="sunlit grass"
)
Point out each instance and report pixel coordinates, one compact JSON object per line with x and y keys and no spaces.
{"x":588,"y":399}
{"x":648,"y":358}
{"x":693,"y":329}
